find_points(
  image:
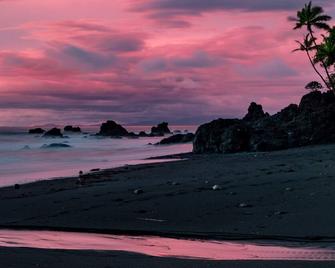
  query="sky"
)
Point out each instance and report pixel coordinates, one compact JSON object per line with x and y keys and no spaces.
{"x":145,"y":61}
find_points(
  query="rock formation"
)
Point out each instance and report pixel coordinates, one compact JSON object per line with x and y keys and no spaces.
{"x":311,"y":122}
{"x":178,"y":138}
{"x":112,"y":129}
{"x":54,"y":132}
{"x":72,"y":129}
{"x":161,"y":129}
{"x":36,"y":131}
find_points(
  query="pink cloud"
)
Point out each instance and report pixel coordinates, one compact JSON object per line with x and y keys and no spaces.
{"x":81,"y":64}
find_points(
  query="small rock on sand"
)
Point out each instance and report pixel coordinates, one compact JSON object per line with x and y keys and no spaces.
{"x":217,"y":187}
{"x":245,"y":205}
{"x":138,"y":191}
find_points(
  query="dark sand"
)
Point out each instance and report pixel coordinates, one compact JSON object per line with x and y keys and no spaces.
{"x":284,"y":195}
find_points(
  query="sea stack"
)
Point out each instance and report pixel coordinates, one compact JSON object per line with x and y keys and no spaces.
{"x":54,"y":132}
{"x":36,"y":131}
{"x":72,"y":129}
{"x":161,"y":129}
{"x":112,"y":129}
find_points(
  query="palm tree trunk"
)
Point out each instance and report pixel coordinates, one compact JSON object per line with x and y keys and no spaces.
{"x":332,"y":87}
{"x":315,"y":69}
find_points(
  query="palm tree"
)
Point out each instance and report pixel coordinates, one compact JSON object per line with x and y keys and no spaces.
{"x":326,"y":52}
{"x":311,"y":17}
{"x":314,"y":17}
{"x":307,"y":46}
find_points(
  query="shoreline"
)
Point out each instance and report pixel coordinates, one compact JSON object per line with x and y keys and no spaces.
{"x":94,"y":172}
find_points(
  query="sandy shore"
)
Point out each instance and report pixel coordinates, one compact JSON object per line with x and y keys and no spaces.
{"x":286,"y":194}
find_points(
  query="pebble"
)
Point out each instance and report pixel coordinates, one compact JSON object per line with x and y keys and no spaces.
{"x":278,"y":213}
{"x":138,"y":191}
{"x":244,"y":205}
{"x":216,"y":187}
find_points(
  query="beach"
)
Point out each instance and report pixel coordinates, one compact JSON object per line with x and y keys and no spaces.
{"x":283,"y":195}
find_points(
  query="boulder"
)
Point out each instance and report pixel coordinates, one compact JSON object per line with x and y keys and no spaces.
{"x":161,"y":129}
{"x":36,"y":131}
{"x":54,"y":132}
{"x":178,"y":138}
{"x":72,"y":129}
{"x":209,"y":137}
{"x":112,"y":129}
{"x":310,"y":123}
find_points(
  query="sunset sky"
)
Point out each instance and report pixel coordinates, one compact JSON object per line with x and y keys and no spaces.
{"x":144,"y":61}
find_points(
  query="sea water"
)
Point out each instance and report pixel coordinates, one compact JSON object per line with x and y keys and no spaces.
{"x":23,"y":158}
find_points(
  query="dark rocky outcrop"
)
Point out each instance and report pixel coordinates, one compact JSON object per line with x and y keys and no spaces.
{"x":72,"y":129}
{"x":311,"y":122}
{"x":54,"y":132}
{"x":255,"y":112}
{"x":36,"y":131}
{"x":178,"y":138}
{"x":161,"y":129}
{"x":112,"y":129}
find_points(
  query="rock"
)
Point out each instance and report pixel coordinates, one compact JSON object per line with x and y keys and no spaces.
{"x":143,"y":134}
{"x":133,"y":135}
{"x":54,"y":132}
{"x":112,"y":129}
{"x":255,"y":112}
{"x":55,"y":146}
{"x":72,"y":129}
{"x":216,"y":188}
{"x":138,"y":191}
{"x":235,"y":139}
{"x":36,"y":131}
{"x":178,"y":138}
{"x":211,"y":138}
{"x":244,"y":205}
{"x":310,"y":123}
{"x":161,"y":129}
{"x":287,"y":114}
{"x":279,"y":213}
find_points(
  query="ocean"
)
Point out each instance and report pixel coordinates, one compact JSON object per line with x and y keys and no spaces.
{"x":23,"y":158}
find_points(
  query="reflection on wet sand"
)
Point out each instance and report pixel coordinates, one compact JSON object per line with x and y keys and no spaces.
{"x":165,"y":247}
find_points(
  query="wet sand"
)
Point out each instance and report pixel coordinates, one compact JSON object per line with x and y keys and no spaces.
{"x":279,"y":195}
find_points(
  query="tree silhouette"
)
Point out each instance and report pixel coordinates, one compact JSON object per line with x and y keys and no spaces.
{"x":313,"y":17}
{"x":314,"y":85}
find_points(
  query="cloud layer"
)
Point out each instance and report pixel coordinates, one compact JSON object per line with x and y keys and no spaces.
{"x":146,"y":61}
